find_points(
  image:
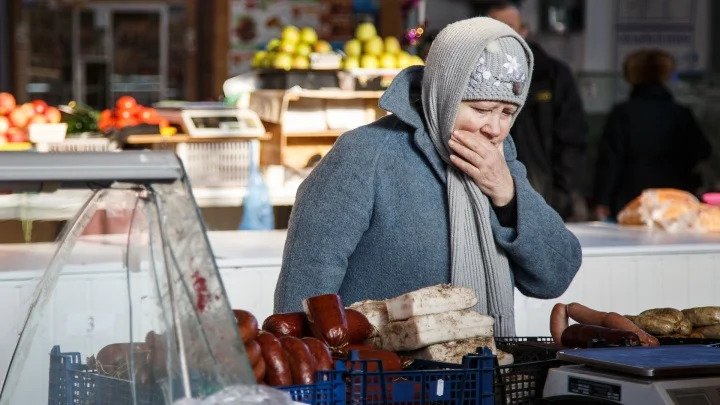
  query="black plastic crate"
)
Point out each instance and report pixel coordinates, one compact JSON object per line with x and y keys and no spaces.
{"x":523,"y":381}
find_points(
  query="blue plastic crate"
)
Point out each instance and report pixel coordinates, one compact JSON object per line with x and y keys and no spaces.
{"x":471,"y":383}
{"x":72,"y":382}
{"x":329,"y":388}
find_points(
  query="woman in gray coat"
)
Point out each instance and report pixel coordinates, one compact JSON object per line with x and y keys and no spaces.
{"x":433,"y":193}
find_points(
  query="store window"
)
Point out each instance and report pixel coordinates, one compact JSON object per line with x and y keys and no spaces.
{"x":96,"y":51}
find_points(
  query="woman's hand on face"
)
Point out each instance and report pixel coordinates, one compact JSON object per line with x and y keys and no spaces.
{"x":484,"y":162}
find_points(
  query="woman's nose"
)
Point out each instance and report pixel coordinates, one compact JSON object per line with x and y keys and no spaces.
{"x":491,"y":129}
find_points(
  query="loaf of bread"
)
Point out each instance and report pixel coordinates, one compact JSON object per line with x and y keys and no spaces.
{"x":708,"y":219}
{"x":665,"y":208}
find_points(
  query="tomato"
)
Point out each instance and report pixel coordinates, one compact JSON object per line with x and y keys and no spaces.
{"x":149,"y":116}
{"x":126,"y":103}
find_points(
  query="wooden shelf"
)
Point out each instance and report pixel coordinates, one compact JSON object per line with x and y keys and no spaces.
{"x":144,"y":139}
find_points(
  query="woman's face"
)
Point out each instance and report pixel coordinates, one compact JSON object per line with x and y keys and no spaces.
{"x":491,"y":119}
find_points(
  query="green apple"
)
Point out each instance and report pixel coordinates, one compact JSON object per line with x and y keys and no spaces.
{"x":286,"y":46}
{"x":303,"y":49}
{"x":258,"y":58}
{"x":373,"y":46}
{"x":404,"y":60}
{"x":388,"y":61}
{"x":365,"y":31}
{"x":353,"y":47}
{"x":416,"y":60}
{"x":290,"y":33}
{"x":369,"y":62}
{"x":273,"y":45}
{"x":308,"y":35}
{"x":301,"y":62}
{"x":392,"y":45}
{"x":351,"y":62}
{"x":283,"y":61}
{"x":322,"y":46}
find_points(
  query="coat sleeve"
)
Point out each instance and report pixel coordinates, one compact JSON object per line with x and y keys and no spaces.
{"x":544,"y":254}
{"x":569,"y":139}
{"x":332,"y":210}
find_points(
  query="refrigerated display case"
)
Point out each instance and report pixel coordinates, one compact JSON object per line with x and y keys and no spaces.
{"x":155,"y":326}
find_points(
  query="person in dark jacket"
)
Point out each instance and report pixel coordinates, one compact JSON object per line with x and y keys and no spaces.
{"x":433,"y":193}
{"x":649,"y":141}
{"x":551,"y":132}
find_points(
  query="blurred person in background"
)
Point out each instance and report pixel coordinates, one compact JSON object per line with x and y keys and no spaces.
{"x":551,"y":131}
{"x":649,"y":140}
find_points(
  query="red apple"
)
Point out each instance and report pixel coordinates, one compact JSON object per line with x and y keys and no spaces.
{"x":28,"y":108}
{"x":38,"y":119}
{"x":7,"y":103}
{"x":19,"y":117}
{"x":16,"y":135}
{"x":52,"y":114}
{"x":39,"y":106}
{"x":4,"y":124}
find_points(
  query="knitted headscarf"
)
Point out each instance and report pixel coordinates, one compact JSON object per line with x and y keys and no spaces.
{"x":455,"y":55}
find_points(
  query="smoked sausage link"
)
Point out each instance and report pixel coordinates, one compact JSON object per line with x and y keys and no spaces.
{"x":320,"y":352}
{"x":327,"y":318}
{"x":302,"y":364}
{"x":558,"y":321}
{"x":254,"y":353}
{"x":583,"y":336}
{"x":277,"y":369}
{"x":247,"y":324}
{"x":359,"y":328}
{"x":287,"y":324}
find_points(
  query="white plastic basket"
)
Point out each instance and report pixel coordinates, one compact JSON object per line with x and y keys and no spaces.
{"x":83,"y":145}
{"x":217,"y":164}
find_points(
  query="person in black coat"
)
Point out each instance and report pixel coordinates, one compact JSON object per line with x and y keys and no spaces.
{"x":551,"y":131}
{"x":649,"y":141}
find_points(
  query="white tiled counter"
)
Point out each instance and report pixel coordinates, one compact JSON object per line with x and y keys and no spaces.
{"x":624,"y":270}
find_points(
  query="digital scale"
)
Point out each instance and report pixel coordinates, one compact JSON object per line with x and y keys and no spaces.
{"x":211,"y":119}
{"x":673,"y":374}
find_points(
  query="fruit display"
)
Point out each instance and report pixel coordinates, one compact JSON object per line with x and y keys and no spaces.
{"x":369,"y":51}
{"x":15,"y":119}
{"x":127,"y":113}
{"x":292,"y":50}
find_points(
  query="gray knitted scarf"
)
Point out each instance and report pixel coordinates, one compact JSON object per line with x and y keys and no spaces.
{"x":476,"y":259}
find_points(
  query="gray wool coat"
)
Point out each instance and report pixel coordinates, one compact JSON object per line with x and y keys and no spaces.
{"x":371,"y":220}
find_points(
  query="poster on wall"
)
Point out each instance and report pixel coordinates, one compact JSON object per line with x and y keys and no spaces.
{"x":676,"y":26}
{"x":255,"y":22}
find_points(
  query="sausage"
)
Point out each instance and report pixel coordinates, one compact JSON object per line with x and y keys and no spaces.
{"x":585,"y":336}
{"x":327,"y":319}
{"x":302,"y":364}
{"x":277,"y":369}
{"x":584,"y":315}
{"x":259,"y":370}
{"x":287,"y":324}
{"x":558,"y":321}
{"x":359,"y":328}
{"x":320,"y":352}
{"x":254,"y":353}
{"x":616,"y":321}
{"x":390,"y":360}
{"x":247,"y":324}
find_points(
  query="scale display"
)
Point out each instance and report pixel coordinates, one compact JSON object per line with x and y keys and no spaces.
{"x":222,"y":122}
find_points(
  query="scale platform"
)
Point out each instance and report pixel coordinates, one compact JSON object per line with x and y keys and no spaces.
{"x":681,"y":374}
{"x":211,"y":119}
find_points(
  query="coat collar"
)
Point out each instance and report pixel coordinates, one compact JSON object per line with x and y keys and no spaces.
{"x":402,"y":99}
